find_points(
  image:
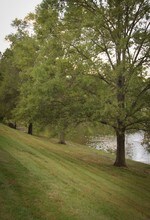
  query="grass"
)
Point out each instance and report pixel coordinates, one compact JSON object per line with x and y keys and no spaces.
{"x":41,"y":180}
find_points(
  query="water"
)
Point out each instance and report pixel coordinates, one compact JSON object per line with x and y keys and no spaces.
{"x":135,"y":149}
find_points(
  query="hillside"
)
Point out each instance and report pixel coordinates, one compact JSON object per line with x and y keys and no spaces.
{"x":41,"y":180}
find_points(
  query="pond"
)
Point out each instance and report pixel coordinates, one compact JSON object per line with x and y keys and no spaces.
{"x":135,"y":149}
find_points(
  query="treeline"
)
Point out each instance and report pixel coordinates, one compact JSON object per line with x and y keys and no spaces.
{"x":76,"y":62}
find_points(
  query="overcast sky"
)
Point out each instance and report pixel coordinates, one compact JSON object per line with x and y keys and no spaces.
{"x":9,"y":10}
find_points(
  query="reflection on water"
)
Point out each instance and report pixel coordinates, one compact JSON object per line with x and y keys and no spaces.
{"x":135,"y":150}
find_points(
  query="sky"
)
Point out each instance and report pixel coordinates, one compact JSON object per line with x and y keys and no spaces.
{"x":9,"y":10}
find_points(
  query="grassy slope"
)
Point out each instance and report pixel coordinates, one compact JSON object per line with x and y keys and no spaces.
{"x":42,"y":180}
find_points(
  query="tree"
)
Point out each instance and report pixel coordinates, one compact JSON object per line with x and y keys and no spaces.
{"x":9,"y":86}
{"x":43,"y":50}
{"x":25,"y":46}
{"x":51,"y":90}
{"x":112,"y":38}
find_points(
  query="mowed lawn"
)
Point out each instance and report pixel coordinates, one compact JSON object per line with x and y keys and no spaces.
{"x":42,"y":180}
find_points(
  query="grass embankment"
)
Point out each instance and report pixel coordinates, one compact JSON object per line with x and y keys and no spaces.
{"x":42,"y":180}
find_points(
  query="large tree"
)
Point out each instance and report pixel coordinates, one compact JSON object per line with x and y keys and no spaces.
{"x":112,"y":37}
{"x":55,"y":92}
{"x":46,"y":96}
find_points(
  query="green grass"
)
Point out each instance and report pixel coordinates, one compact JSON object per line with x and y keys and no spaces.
{"x":41,"y":180}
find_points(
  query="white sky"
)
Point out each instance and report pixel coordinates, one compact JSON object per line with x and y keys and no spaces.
{"x":9,"y":10}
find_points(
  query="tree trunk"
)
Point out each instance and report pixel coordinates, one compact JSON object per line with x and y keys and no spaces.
{"x":12,"y":125}
{"x":120,"y":131}
{"x":120,"y":154}
{"x":15,"y":125}
{"x":30,"y":128}
{"x":62,"y":138}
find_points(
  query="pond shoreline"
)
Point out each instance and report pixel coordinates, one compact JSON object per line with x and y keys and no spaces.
{"x":135,"y":149}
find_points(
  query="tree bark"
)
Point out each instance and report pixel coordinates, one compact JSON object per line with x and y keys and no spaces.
{"x":30,"y":128}
{"x":62,"y":138}
{"x":120,"y":154}
{"x":15,"y":125}
{"x":120,"y":131}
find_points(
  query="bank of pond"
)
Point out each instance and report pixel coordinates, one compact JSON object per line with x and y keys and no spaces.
{"x":136,"y":149}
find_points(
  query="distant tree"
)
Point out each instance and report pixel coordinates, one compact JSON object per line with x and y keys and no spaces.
{"x":9,"y":86}
{"x":25,"y":47}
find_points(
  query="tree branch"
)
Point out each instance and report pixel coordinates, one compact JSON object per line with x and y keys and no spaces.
{"x":140,"y":47}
